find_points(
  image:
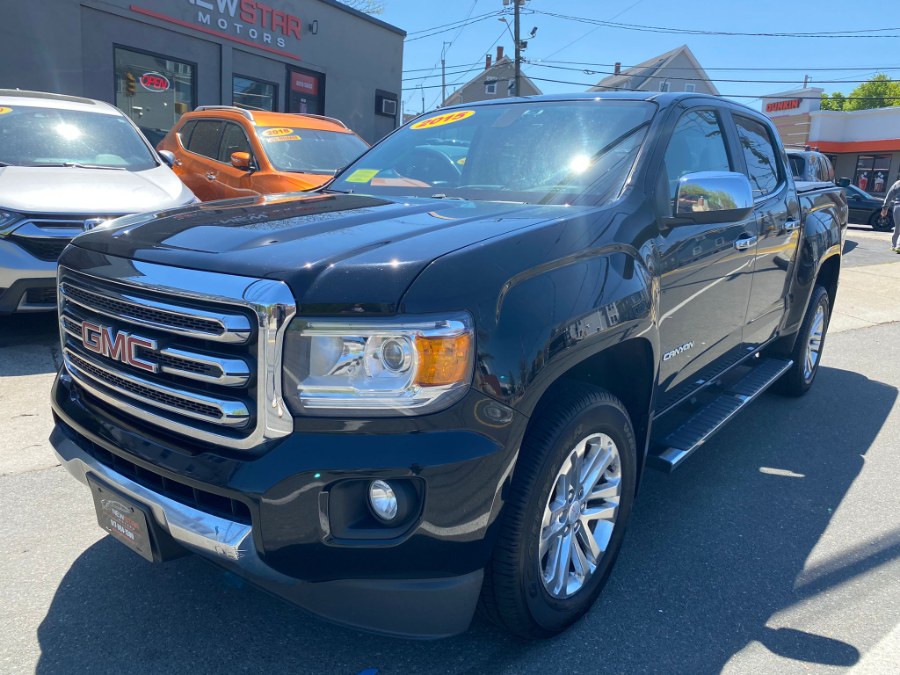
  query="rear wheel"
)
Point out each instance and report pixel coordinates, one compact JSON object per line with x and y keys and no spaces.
{"x":565,"y":517}
{"x":880,"y":224}
{"x":807,"y":352}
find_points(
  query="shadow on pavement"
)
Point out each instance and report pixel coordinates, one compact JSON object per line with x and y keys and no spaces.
{"x":713,"y":553}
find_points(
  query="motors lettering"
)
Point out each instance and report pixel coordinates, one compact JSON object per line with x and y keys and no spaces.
{"x":117,"y":345}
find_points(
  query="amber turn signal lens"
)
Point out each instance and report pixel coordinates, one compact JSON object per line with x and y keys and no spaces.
{"x":443,"y":360}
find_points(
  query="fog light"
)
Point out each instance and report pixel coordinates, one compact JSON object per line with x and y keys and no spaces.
{"x":383,"y":500}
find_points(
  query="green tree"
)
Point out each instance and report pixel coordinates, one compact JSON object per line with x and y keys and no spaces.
{"x":879,"y":92}
{"x":835,"y":102}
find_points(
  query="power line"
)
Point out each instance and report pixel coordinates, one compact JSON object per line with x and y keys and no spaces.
{"x":802,"y":98}
{"x":695,"y":79}
{"x":693,"y":31}
{"x":734,"y":68}
{"x":474,"y":64}
{"x":469,"y":22}
{"x":454,"y":23}
{"x":593,"y":30}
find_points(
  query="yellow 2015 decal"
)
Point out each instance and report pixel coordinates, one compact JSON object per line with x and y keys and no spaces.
{"x":441,"y":120}
{"x":277,"y":131}
{"x":282,"y":138}
{"x":4,"y":110}
{"x":362,"y":176}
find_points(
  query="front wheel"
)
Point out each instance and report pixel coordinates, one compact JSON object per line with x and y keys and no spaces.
{"x":563,"y":523}
{"x":881,"y":224}
{"x":807,"y":352}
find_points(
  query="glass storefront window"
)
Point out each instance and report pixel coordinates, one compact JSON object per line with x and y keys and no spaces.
{"x":153,"y":90}
{"x":872,"y":173}
{"x":252,"y":94}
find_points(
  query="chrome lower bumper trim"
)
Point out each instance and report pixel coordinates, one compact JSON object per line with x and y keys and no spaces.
{"x":194,"y":529}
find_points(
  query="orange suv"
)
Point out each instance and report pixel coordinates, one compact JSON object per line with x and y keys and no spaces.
{"x":222,"y":151}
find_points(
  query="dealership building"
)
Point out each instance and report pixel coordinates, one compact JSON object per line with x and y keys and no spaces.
{"x":864,"y":145}
{"x":156,"y":59}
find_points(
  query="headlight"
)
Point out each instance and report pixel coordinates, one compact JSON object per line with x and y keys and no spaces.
{"x":8,"y":220}
{"x":377,"y":367}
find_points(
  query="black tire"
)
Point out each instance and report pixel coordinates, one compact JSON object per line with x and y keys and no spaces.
{"x":514,"y":594}
{"x":797,"y":381}
{"x":880,"y":224}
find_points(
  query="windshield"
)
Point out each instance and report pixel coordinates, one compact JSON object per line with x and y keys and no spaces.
{"x":549,"y":152}
{"x":31,"y":136}
{"x":310,"y":150}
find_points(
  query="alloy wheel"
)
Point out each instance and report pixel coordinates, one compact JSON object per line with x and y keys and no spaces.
{"x":580,"y":515}
{"x":814,"y":343}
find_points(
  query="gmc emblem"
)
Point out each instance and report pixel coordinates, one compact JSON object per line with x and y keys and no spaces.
{"x":117,"y":345}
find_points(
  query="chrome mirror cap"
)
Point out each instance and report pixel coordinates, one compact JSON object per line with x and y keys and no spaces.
{"x":713,"y":192}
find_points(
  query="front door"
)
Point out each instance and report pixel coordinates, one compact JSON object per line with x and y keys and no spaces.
{"x":705,"y":268}
{"x":777,"y":214}
{"x":232,"y":181}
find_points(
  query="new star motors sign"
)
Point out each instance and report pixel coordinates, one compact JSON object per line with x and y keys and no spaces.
{"x":248,"y":22}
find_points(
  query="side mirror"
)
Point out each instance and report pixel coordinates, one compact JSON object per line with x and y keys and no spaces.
{"x":240,"y":160}
{"x":168,"y":157}
{"x":713,"y":196}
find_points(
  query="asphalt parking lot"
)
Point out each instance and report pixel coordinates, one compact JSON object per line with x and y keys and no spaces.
{"x":775,"y":549}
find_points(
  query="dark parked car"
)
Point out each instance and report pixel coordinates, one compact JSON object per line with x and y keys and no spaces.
{"x":866,"y":209}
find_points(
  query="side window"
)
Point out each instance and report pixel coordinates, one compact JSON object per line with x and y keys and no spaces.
{"x":697,"y":144}
{"x":234,"y":140}
{"x":205,"y":138}
{"x":762,"y":162}
{"x":185,"y":132}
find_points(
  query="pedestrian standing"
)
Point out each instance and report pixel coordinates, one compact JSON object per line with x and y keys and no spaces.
{"x":891,"y":202}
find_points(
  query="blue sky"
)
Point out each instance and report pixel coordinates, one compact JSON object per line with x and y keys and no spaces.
{"x":563,"y":40}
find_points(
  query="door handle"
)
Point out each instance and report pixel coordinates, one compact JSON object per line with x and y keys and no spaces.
{"x":744,"y":244}
{"x":210,"y":175}
{"x":791,"y":225}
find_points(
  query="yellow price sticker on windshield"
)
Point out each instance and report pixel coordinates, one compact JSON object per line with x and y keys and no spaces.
{"x":441,"y":120}
{"x":277,"y":131}
{"x":4,"y":110}
{"x":282,"y":138}
{"x":362,"y":175}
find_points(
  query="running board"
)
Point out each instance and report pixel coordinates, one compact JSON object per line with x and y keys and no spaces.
{"x":678,"y":446}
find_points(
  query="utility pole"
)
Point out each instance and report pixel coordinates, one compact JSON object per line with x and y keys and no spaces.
{"x":422,"y":90}
{"x":444,"y":72}
{"x":518,"y":50}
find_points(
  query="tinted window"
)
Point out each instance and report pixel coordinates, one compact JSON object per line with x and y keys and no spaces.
{"x":37,"y":136}
{"x":762,"y":163}
{"x":205,"y":139}
{"x":796,"y":166}
{"x":234,"y":140}
{"x":185,"y":132}
{"x":697,"y":144}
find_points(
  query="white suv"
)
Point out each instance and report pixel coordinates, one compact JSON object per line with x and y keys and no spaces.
{"x":67,"y":164}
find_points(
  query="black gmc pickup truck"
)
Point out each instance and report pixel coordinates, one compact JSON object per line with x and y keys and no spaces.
{"x":437,"y":381}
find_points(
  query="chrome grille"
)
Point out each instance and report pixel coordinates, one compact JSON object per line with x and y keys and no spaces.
{"x":188,"y":352}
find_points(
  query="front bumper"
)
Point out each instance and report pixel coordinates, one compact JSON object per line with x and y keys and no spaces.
{"x":423,"y":584}
{"x":27,"y":280}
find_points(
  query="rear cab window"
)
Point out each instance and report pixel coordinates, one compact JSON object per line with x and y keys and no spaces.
{"x":763,"y":167}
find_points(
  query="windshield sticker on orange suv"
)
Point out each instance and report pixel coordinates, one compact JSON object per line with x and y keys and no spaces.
{"x":282,"y":138}
{"x":277,"y":131}
{"x":441,"y":120}
{"x":4,"y":110}
{"x":362,"y":175}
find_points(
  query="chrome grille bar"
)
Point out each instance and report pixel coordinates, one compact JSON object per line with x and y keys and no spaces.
{"x":176,"y":319}
{"x":201,"y":367}
{"x":154,"y":395}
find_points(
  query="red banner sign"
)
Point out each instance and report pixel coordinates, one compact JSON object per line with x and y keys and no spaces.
{"x":305,"y":84}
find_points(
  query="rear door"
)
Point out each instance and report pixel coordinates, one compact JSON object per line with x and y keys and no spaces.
{"x":200,"y":162}
{"x":704,"y":275}
{"x":777,"y":224}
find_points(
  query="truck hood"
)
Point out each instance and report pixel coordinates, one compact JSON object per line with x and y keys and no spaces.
{"x":337,"y":252}
{"x":71,"y":190}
